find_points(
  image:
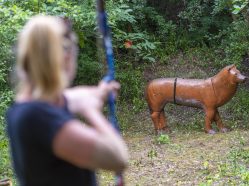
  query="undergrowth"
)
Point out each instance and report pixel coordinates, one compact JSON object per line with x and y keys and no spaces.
{"x":232,"y":170}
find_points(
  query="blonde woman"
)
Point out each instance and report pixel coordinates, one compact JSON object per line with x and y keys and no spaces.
{"x":49,"y":145}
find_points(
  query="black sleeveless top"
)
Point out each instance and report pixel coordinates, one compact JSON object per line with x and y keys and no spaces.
{"x":31,"y":128}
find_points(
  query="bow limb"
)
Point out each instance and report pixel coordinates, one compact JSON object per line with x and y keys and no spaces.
{"x":107,"y":42}
{"x":105,"y":32}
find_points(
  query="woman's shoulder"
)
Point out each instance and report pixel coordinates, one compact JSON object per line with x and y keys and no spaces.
{"x":32,"y":109}
{"x":37,"y":115}
{"x":29,"y":105}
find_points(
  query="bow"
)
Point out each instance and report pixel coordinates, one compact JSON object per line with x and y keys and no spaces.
{"x":105,"y":32}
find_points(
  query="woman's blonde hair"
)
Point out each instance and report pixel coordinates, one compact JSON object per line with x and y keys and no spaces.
{"x":40,"y":57}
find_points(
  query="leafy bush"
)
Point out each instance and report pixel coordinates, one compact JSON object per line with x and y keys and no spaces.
{"x":203,"y":25}
{"x":5,"y":166}
{"x":164,"y":32}
{"x":132,"y":84}
{"x":89,"y":71}
{"x":239,"y":107}
{"x":236,"y":43}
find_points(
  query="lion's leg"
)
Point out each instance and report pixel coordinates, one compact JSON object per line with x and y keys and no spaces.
{"x":155,"y":116}
{"x":209,"y":117}
{"x":219,"y":123}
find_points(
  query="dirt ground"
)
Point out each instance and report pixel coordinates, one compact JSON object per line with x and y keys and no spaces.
{"x":182,"y":161}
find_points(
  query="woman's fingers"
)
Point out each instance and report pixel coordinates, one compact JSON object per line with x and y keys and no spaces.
{"x":106,"y":88}
{"x":84,"y":98}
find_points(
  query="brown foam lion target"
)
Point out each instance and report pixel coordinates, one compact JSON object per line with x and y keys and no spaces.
{"x":207,"y":94}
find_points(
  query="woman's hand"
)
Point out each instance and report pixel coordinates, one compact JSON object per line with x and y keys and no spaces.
{"x":86,"y":99}
{"x":104,"y":89}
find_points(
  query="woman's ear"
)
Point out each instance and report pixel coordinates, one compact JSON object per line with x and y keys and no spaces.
{"x":67,"y":56}
{"x":70,"y":64}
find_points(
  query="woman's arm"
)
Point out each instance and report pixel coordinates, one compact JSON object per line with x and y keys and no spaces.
{"x":94,"y":146}
{"x":91,"y":147}
{"x":82,"y":98}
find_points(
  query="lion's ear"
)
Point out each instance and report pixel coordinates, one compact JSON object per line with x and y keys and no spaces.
{"x":230,"y":67}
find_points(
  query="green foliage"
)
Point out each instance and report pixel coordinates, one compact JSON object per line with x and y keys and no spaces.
{"x":241,"y":104}
{"x":5,"y":165}
{"x":239,"y":155}
{"x":221,"y":5}
{"x":163,"y":139}
{"x":152,"y":153}
{"x":164,"y":32}
{"x":239,"y":5}
{"x":238,"y":106}
{"x":142,"y":47}
{"x":126,"y":29}
{"x":132,"y":84}
{"x":234,"y":6}
{"x":234,"y":169}
{"x":202,"y":23}
{"x":11,"y":19}
{"x":89,"y":71}
{"x":235,"y":45}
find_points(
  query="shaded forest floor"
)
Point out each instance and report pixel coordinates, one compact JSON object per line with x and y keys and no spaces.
{"x":187,"y":156}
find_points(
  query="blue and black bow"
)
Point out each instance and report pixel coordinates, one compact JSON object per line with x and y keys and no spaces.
{"x":107,"y":42}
